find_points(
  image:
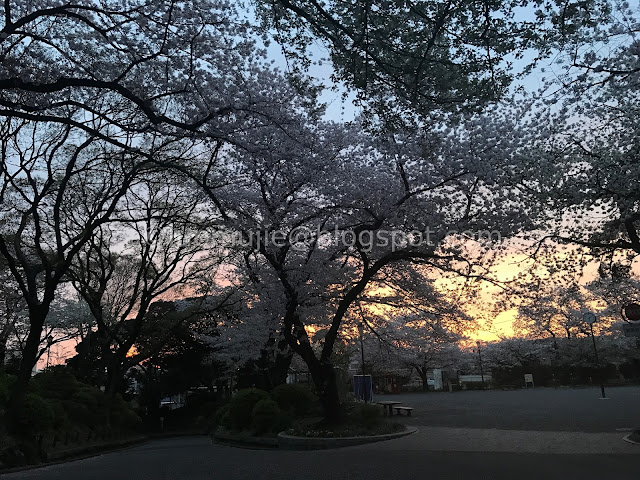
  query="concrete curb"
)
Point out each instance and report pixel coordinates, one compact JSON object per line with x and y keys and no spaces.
{"x":245,"y":441}
{"x":291,"y":442}
{"x":633,"y":437}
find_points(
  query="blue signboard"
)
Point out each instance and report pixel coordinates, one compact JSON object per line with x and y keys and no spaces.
{"x":363,"y":387}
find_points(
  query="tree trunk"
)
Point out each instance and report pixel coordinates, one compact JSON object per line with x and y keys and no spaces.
{"x":114,"y":376}
{"x":30,"y":352}
{"x":422,"y":371}
{"x":324,"y":378}
{"x":113,"y":379}
{"x":279,"y":370}
{"x":4,"y":338}
{"x":37,"y":316}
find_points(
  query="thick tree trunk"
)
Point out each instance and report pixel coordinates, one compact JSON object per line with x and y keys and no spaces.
{"x":325,"y":380}
{"x":37,"y":316}
{"x":4,"y":338}
{"x":280,"y":368}
{"x":423,"y":376}
{"x":114,"y":377}
{"x":116,"y":368}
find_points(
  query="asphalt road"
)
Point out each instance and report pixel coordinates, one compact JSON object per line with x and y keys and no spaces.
{"x":543,"y":409}
{"x":196,"y":458}
{"x":481,"y":450}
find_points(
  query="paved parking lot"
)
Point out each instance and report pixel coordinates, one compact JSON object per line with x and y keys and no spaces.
{"x":544,"y":409}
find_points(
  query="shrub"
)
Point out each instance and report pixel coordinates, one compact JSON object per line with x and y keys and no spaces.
{"x":6,"y":384}
{"x":241,"y":407}
{"x":56,"y":382}
{"x":127,"y":419}
{"x":366,"y":414}
{"x":268,"y":418}
{"x":35,"y":416}
{"x":60,"y":417}
{"x":87,"y":397}
{"x":208,"y":409}
{"x":87,"y":406}
{"x":222,"y":416}
{"x":78,"y":413}
{"x":296,"y":399}
{"x":122,"y":416}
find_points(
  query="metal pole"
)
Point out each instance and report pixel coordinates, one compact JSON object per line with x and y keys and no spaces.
{"x":364,"y":392}
{"x":595,"y":351}
{"x":481,"y":371}
{"x":49,"y":343}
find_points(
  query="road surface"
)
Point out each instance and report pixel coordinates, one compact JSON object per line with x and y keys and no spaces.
{"x":196,"y":458}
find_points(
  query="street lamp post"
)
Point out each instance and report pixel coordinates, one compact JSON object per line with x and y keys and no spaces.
{"x":49,"y":343}
{"x":590,"y":318}
{"x":480,"y":357}
{"x":361,"y":333}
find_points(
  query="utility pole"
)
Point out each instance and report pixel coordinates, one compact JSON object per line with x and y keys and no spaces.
{"x":590,"y":318}
{"x":480,"y":357}
{"x":49,"y":343}
{"x":364,"y":383}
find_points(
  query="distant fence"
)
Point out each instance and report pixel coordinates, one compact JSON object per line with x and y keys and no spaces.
{"x":474,"y":378}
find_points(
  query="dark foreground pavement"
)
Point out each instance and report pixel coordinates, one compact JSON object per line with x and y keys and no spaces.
{"x":196,"y":458}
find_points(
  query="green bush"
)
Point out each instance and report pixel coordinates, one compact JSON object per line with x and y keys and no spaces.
{"x":296,"y":399}
{"x":86,"y":406}
{"x":60,"y":417}
{"x":122,"y":416}
{"x":241,"y":407}
{"x":208,"y":409}
{"x":268,"y":418}
{"x":6,"y":385}
{"x":78,"y":413}
{"x":35,"y":416}
{"x":366,"y":414}
{"x":222,"y":416}
{"x":76,"y":403}
{"x":87,"y":397}
{"x":126,"y":419}
{"x":56,"y":382}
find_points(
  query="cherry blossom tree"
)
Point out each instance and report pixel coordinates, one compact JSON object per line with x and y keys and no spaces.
{"x":411,"y":61}
{"x":175,"y":66}
{"x":583,"y":140}
{"x":331,"y":213}
{"x":93,"y":94}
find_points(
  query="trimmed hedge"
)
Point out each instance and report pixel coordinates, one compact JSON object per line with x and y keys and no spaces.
{"x":58,"y":401}
{"x":268,"y":418}
{"x":35,"y":416}
{"x":293,"y":398}
{"x":222,"y":416}
{"x":241,"y":407}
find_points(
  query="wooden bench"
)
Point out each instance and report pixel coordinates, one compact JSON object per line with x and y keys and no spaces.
{"x":399,"y":410}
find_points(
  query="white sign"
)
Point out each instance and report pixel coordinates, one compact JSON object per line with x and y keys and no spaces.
{"x":528,"y":378}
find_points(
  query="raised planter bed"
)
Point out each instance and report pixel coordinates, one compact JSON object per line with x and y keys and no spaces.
{"x":244,"y":439}
{"x":292,"y":442}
